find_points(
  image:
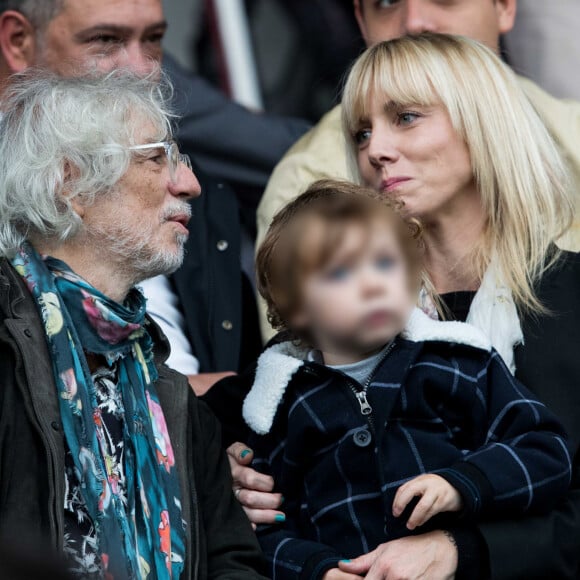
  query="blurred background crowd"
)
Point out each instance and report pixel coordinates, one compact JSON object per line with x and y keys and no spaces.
{"x":301,"y":48}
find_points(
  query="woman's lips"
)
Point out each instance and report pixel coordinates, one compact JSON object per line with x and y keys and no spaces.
{"x":392,"y":183}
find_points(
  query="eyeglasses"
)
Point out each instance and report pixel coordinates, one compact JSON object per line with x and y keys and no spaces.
{"x":174,"y":157}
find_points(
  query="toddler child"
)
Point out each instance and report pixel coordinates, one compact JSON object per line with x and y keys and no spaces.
{"x":372,"y":418}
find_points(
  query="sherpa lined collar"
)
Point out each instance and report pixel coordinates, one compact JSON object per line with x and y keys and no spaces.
{"x":278,"y":364}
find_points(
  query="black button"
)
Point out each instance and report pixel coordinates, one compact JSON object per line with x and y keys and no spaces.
{"x":362,"y":438}
{"x":28,"y":332}
{"x":56,"y":425}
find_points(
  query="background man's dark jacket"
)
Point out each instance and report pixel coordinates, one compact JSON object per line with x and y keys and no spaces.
{"x":215,"y":295}
{"x":234,"y":152}
{"x":220,"y":542}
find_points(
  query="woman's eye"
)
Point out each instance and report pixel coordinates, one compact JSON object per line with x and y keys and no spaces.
{"x":385,"y":263}
{"x":362,"y":136}
{"x":338,"y":274}
{"x":407,"y":118}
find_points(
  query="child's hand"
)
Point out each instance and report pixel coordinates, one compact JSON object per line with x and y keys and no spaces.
{"x":437,"y":495}
{"x":336,"y":574}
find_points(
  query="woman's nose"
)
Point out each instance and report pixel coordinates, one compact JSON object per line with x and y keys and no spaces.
{"x":382,"y":148}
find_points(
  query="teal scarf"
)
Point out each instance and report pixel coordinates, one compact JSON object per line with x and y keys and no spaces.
{"x":147,"y":537}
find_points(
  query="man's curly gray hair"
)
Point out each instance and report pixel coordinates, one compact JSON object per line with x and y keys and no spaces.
{"x":67,"y":137}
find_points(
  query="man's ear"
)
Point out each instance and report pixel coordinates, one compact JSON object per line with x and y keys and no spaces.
{"x":76,"y":202}
{"x":506,"y":14}
{"x":17,"y":41}
{"x":78,"y":206}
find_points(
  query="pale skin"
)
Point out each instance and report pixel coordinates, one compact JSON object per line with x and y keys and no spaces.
{"x":91,"y":35}
{"x":367,"y":281}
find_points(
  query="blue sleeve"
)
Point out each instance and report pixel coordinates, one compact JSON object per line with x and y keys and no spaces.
{"x":523,"y":463}
{"x":289,"y":556}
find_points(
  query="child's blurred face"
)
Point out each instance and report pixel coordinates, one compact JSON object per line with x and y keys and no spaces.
{"x":361,"y":298}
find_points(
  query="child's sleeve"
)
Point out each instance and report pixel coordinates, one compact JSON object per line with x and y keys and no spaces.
{"x":289,"y":556}
{"x":523,"y":462}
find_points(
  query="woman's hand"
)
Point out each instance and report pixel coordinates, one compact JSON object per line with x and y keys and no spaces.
{"x":431,"y":556}
{"x":336,"y":574}
{"x":252,"y":489}
{"x":437,"y":495}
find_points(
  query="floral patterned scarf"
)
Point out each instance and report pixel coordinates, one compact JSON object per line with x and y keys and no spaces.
{"x":146,"y":537}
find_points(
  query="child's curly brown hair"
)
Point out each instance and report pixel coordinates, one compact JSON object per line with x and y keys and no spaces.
{"x":304,"y":235}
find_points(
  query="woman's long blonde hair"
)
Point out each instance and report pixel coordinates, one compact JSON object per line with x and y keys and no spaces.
{"x":519,"y":172}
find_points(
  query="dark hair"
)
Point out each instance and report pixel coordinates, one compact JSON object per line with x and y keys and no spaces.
{"x":39,"y":12}
{"x":285,"y":256}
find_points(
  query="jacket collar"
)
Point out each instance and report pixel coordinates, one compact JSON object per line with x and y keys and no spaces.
{"x":279,"y":363}
{"x":15,"y":300}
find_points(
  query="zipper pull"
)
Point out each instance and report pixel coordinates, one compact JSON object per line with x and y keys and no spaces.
{"x":365,"y":407}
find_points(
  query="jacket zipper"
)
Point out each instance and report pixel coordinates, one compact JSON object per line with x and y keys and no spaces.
{"x":361,"y":394}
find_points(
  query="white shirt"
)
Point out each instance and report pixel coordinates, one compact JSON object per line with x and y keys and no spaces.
{"x":162,"y":307}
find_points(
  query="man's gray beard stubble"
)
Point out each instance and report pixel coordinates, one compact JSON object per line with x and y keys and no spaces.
{"x":135,"y":251}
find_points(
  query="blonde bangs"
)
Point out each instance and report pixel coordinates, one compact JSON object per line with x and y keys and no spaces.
{"x":521,"y":176}
{"x":399,"y":79}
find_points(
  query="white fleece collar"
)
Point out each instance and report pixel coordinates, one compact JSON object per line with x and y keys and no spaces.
{"x":278,"y":364}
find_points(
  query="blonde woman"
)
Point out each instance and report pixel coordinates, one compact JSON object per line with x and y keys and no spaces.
{"x":440,"y":123}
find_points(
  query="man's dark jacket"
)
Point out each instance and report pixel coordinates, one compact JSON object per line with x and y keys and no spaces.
{"x":230,"y":142}
{"x":234,"y":151}
{"x":219,"y":543}
{"x":215,"y":295}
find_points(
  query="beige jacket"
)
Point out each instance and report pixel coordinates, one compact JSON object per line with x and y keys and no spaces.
{"x":321,"y":154}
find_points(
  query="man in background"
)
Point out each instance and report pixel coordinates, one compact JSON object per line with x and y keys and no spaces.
{"x":544,"y":45}
{"x":207,"y":306}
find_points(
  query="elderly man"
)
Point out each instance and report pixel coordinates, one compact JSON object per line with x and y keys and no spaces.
{"x":105,"y":451}
{"x":207,"y":308}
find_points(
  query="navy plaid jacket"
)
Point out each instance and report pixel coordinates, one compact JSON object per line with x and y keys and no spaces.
{"x":438,"y":406}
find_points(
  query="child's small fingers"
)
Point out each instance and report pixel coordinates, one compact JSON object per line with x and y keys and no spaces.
{"x":403,"y":496}
{"x":422,"y":511}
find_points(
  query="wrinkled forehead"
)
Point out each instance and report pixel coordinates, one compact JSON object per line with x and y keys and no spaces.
{"x":103,"y":25}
